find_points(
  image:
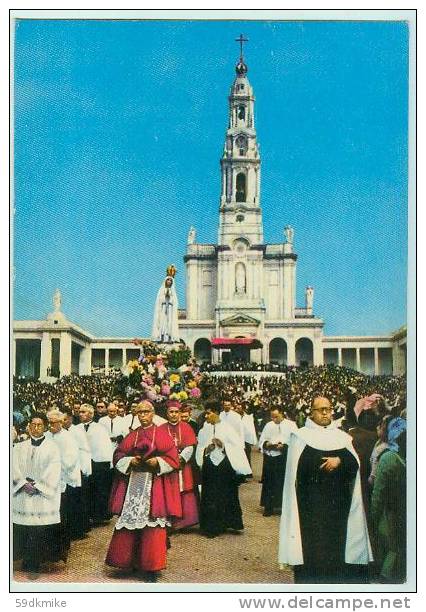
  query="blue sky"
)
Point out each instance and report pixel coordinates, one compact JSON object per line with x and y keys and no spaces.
{"x":119,"y":128}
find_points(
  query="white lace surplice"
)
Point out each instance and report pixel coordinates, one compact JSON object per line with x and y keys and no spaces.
{"x":137,"y":504}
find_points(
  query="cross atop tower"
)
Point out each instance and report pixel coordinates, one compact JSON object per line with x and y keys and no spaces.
{"x":241,"y":40}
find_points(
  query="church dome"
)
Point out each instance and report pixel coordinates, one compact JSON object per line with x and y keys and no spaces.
{"x":241,"y":68}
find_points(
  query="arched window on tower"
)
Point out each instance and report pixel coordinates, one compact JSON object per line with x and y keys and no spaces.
{"x":241,"y":113}
{"x":241,"y":187}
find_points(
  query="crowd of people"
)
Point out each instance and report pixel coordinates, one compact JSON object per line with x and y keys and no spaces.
{"x":295,"y":389}
{"x":240,"y":365}
{"x":333,"y":445}
{"x":37,"y":395}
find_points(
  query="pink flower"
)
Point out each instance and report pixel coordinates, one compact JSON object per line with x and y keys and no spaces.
{"x":165,"y":389}
{"x":195,"y":392}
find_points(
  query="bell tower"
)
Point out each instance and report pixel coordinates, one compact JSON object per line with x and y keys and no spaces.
{"x":240,"y":215}
{"x":241,"y":292}
{"x":240,"y":307}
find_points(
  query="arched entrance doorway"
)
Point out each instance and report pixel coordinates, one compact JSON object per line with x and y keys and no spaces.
{"x":304,"y":352}
{"x":278,"y":351}
{"x":28,"y":358}
{"x":203,"y":350}
{"x":240,"y":352}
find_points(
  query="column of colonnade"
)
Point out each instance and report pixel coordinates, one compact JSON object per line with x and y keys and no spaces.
{"x":379,"y":362}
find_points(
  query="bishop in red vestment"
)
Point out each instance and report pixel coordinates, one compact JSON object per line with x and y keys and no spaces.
{"x":145,"y":495}
{"x":185,"y":441}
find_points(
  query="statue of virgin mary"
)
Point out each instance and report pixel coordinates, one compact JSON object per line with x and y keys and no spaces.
{"x":165,"y":324}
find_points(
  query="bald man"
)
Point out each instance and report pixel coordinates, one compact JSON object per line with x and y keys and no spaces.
{"x":323,"y":531}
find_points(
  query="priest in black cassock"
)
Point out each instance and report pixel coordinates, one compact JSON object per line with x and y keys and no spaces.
{"x":323,"y":531}
{"x":221,"y":458}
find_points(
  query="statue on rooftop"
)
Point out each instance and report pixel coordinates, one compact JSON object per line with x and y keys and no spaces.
{"x":289,"y":234}
{"x":191,"y":235}
{"x":57,"y":300}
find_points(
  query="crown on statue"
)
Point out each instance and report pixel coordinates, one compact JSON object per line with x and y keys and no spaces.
{"x":171,"y":270}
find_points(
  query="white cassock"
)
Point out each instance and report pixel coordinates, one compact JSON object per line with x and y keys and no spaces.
{"x":99,"y":442}
{"x":42,"y":464}
{"x":249,"y":429}
{"x":275,"y":433}
{"x":165,"y":326}
{"x":357,"y":548}
{"x":232,"y":447}
{"x":114,"y":427}
{"x":70,"y":460}
{"x":130,"y":422}
{"x":84,"y":453}
{"x":234,"y":420}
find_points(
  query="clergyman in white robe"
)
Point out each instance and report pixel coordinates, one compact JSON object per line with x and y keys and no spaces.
{"x":273,"y":443}
{"x":35,"y":515}
{"x":70,"y":482}
{"x":234,"y":420}
{"x":115,"y":428}
{"x":323,"y":530}
{"x":101,"y":479}
{"x":249,"y":431}
{"x":223,"y":462}
{"x":85,"y":460}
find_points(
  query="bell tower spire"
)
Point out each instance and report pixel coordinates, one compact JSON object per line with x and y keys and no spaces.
{"x":241,"y":64}
{"x":240,"y":213}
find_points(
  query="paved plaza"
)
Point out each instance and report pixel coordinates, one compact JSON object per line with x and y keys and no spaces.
{"x":248,"y":558}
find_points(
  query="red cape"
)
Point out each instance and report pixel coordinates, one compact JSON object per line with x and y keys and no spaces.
{"x":165,"y":495}
{"x":185,"y":437}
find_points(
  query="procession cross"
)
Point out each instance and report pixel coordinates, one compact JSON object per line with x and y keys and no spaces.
{"x":241,"y":40}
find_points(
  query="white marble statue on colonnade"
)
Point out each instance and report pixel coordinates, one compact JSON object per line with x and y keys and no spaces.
{"x":309,"y":298}
{"x":191,"y":235}
{"x":165,"y":324}
{"x":57,"y":300}
{"x":289,"y":234}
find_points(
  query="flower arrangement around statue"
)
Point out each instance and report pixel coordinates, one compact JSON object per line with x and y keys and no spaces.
{"x":160,"y":376}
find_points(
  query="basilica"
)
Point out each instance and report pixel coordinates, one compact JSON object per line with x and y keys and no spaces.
{"x":240,"y":292}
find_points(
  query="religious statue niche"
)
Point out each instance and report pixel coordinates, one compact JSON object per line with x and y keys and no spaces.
{"x":241,"y":181}
{"x":240,"y":278}
{"x":165,"y":327}
{"x":240,"y":246}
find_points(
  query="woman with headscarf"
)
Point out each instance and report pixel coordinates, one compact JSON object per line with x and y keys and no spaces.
{"x":380,"y":447}
{"x":388,"y":507}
